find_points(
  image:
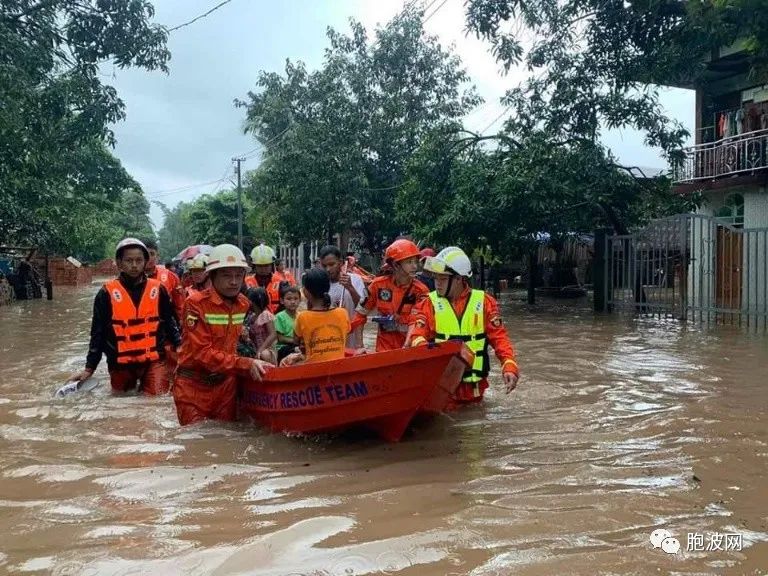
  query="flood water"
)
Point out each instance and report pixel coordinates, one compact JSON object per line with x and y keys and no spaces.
{"x":619,"y":427}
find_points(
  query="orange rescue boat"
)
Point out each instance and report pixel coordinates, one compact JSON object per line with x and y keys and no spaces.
{"x":381,"y":391}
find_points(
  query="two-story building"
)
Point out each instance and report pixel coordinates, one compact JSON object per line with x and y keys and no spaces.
{"x":728,"y":164}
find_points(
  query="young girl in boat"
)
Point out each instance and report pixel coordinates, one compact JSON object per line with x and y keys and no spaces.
{"x":290,"y":297}
{"x":321,"y":331}
{"x":259,"y":327}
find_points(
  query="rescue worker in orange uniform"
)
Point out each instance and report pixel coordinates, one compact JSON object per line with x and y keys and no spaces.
{"x":423,"y":277}
{"x":285,"y":275}
{"x":209,"y":367}
{"x":393,"y":295}
{"x":198,"y":276}
{"x":456,"y":311}
{"x":132,"y":319}
{"x":168,"y":278}
{"x":264,"y":274}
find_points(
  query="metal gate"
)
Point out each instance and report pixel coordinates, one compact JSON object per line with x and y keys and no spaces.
{"x":298,"y":258}
{"x":690,"y":267}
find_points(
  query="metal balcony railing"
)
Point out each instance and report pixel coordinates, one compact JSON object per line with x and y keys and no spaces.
{"x":741,"y":154}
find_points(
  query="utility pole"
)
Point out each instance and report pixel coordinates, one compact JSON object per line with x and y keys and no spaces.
{"x":238,"y":161}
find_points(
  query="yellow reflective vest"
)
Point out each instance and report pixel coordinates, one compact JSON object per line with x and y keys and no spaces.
{"x":470,"y":329}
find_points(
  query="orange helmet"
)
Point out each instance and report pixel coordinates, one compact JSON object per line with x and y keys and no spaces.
{"x":401,"y":250}
{"x":427,"y":252}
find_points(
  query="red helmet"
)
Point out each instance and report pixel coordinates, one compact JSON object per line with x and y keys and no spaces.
{"x":401,"y":250}
{"x":427,"y":252}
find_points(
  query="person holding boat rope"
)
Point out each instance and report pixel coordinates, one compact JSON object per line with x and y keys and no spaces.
{"x":454,"y":310}
{"x":209,"y":367}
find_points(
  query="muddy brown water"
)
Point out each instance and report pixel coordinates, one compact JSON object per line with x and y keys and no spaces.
{"x":619,"y":427}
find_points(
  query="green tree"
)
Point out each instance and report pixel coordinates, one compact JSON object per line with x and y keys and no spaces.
{"x":502,"y":199}
{"x":176,"y":232}
{"x":591,"y":66}
{"x":55,"y":113}
{"x":337,"y":140}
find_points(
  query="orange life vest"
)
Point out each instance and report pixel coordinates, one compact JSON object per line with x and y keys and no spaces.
{"x":273,"y":289}
{"x":135,"y":329}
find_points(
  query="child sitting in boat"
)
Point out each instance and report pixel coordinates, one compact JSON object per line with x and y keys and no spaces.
{"x":259,"y":336}
{"x":321,"y":331}
{"x":290,"y":296}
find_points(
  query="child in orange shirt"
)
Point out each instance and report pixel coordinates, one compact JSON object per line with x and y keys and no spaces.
{"x":321,"y":330}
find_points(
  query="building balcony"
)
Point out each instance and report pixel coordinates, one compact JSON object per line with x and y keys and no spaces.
{"x":736,"y":156}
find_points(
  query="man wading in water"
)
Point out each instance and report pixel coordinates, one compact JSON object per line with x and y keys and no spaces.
{"x":206,"y":379}
{"x":132,"y":319}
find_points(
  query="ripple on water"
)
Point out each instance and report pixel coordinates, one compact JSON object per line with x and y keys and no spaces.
{"x":52,"y":472}
{"x":165,"y":482}
{"x":300,"y":548}
{"x":109,"y":531}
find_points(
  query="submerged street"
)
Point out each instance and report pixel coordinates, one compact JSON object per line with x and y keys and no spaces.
{"x":619,"y":427}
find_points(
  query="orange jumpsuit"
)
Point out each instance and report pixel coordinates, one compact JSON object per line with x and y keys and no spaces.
{"x":423,"y":331}
{"x":389,"y":299}
{"x":172,"y":284}
{"x":206,"y":379}
{"x":286,"y":276}
{"x":194,"y":289}
{"x":273,"y":288}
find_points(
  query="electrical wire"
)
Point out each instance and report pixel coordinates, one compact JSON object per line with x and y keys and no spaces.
{"x":484,"y":130}
{"x":426,"y":18}
{"x":178,"y":190}
{"x":200,"y":17}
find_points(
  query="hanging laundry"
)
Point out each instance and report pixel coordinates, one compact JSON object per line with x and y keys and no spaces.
{"x":739,"y":121}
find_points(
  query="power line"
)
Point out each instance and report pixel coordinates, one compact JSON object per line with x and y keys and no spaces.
{"x":435,"y":12}
{"x":180,"y":189}
{"x":260,"y":147}
{"x":201,"y":16}
{"x":506,"y":109}
{"x":223,"y":179}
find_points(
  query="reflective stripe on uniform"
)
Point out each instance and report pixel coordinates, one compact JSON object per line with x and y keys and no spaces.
{"x":224,"y":319}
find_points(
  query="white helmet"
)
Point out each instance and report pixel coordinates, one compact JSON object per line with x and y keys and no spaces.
{"x":226,"y":256}
{"x":199,"y":262}
{"x":262,"y":255}
{"x":130,"y":243}
{"x":451,"y":260}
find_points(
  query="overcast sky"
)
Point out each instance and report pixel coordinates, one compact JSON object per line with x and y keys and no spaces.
{"x":182,"y":128}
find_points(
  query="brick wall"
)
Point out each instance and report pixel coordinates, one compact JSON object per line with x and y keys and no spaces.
{"x":106,"y":267}
{"x":63,"y":273}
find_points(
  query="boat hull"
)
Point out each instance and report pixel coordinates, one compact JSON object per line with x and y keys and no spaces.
{"x":382,"y":391}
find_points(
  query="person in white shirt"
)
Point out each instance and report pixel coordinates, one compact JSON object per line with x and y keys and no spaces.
{"x":347,"y":288}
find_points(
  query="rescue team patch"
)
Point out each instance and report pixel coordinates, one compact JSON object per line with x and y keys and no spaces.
{"x":116,"y":295}
{"x":496,"y":321}
{"x":191,"y":321}
{"x":385,"y":295}
{"x":153,"y":292}
{"x":420,"y":323}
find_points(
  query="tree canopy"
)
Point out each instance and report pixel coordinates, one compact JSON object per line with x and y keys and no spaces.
{"x":591,"y":66}
{"x":337,"y":141}
{"x":58,"y":179}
